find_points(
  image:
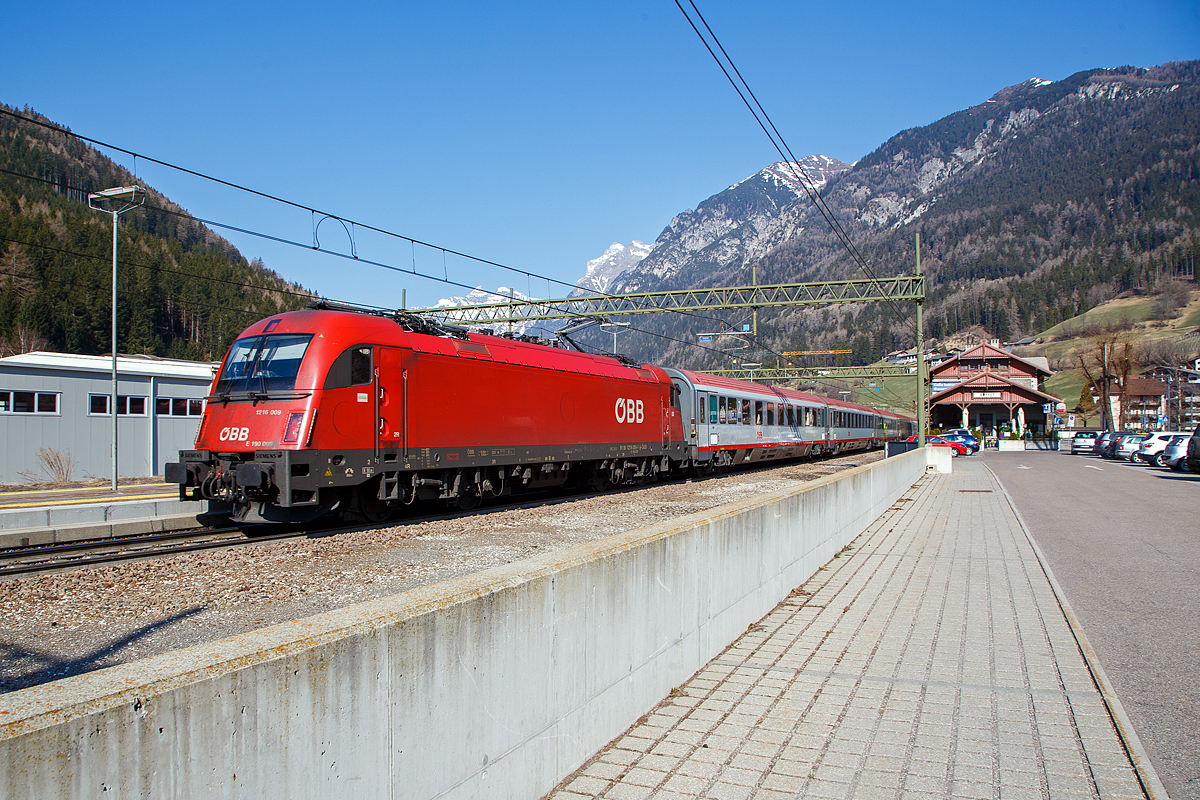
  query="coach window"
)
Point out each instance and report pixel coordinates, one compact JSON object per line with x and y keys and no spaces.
{"x":721,"y":410}
{"x":758,"y":409}
{"x":791,"y":416}
{"x":770,"y":413}
{"x":712,"y":409}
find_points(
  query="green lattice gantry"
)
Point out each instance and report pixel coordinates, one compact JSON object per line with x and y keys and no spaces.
{"x":780,"y":295}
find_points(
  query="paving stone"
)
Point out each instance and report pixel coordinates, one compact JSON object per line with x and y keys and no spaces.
{"x":940,"y":659}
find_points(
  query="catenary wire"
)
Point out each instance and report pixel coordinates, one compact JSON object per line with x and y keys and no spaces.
{"x":279,"y":240}
{"x":781,"y":146}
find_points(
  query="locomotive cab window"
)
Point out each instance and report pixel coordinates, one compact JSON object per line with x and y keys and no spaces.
{"x":352,"y":368}
{"x":263,"y":363}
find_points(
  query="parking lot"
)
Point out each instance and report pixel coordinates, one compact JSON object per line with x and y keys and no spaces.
{"x":1123,"y":541}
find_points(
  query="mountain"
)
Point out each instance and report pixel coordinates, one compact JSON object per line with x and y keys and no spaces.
{"x":614,"y":262}
{"x":480,"y":296}
{"x":1039,"y":203}
{"x":183,"y":291}
{"x":716,"y":243}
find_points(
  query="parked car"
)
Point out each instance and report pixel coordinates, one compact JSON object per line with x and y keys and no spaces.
{"x":1193,"y":451}
{"x":1102,"y":442}
{"x":937,"y":441}
{"x":964,"y":432}
{"x":1175,"y":455}
{"x":970,"y":442}
{"x":1109,"y":450}
{"x":1151,"y":449}
{"x":1129,"y":445}
{"x":1084,"y":441}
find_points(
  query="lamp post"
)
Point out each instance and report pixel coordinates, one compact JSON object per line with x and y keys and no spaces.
{"x":116,"y":202}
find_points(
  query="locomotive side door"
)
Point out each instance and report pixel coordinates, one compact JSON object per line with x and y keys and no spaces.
{"x":391,"y":418}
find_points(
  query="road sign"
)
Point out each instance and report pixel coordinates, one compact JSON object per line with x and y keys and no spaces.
{"x":1045,"y":408}
{"x":1060,"y":407}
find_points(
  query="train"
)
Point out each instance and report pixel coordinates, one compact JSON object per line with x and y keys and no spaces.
{"x":333,"y":410}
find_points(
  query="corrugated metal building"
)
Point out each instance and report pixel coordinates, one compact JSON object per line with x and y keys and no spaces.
{"x":60,"y":402}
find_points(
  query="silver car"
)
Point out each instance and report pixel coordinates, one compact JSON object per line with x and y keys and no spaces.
{"x":1130,"y":444}
{"x":1083,"y":441}
{"x":1175,"y":454}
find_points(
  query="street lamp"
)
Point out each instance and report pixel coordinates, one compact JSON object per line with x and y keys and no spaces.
{"x":844,"y":391}
{"x":751,"y":365}
{"x":116,"y":202}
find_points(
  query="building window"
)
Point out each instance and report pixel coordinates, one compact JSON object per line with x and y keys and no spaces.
{"x":178,"y":407}
{"x":14,"y":402}
{"x":126,"y":405}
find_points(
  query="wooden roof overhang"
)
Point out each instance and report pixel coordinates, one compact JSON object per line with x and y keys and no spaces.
{"x":987,"y":388}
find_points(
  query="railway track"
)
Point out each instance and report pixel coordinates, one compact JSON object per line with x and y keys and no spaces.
{"x":37,"y":559}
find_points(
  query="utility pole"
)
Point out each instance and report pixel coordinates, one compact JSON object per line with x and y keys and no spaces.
{"x":921,"y":421}
{"x":1105,"y":405}
{"x":754,"y":282}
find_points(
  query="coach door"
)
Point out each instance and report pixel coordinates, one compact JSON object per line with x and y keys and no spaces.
{"x":701,"y":411}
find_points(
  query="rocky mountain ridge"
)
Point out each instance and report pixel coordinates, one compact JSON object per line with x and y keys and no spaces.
{"x":1034,"y":205}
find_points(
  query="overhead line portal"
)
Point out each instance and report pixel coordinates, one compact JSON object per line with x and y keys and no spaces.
{"x":906,"y":287}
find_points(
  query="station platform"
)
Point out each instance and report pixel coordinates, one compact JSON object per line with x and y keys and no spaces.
{"x":935,"y":657}
{"x":51,"y":516}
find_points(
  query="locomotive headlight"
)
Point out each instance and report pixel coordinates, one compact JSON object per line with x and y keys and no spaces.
{"x":291,"y":431}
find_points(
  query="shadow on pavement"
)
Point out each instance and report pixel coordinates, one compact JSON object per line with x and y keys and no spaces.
{"x":22,"y":667}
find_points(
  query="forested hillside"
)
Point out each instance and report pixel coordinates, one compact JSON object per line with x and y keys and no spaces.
{"x":184,"y":292}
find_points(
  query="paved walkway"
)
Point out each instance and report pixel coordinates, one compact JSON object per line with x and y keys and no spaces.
{"x":931,"y":660}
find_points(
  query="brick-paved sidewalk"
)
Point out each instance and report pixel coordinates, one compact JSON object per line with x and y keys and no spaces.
{"x":930,"y":660}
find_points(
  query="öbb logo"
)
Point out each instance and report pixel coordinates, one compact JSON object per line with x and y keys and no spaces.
{"x":235,"y":434}
{"x":629,"y":410}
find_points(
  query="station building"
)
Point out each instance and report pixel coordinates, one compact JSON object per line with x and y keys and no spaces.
{"x":59,"y":404}
{"x":986,"y":387}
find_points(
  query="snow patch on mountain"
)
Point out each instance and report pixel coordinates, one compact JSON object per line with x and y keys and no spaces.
{"x":480,"y":296}
{"x":614,"y":262}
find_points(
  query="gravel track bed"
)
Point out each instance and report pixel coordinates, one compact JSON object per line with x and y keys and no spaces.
{"x":66,"y":623}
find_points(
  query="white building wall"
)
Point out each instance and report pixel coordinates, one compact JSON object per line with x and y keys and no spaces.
{"x":145,"y":442}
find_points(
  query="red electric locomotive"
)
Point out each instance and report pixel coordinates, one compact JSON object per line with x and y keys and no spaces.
{"x":322,"y":410}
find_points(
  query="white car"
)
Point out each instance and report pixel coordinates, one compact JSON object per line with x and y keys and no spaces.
{"x":1151,"y":449}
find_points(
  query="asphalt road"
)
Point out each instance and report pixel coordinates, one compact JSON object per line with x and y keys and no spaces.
{"x":1124,"y":543}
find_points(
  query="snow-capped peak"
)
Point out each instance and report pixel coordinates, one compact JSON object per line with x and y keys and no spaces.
{"x":615,"y":261}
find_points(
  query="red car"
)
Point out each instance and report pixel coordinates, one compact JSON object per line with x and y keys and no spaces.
{"x":959,"y":448}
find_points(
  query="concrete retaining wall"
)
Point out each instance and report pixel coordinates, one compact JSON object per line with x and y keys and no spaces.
{"x":495,"y":685}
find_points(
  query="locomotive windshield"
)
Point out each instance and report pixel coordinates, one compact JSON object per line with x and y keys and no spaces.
{"x":261,"y":364}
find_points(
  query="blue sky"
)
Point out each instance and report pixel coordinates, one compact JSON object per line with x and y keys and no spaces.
{"x":531,"y":134}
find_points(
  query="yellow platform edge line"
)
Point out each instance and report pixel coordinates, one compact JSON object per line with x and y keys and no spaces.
{"x":89,"y":500}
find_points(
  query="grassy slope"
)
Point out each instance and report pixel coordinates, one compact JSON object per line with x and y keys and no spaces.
{"x":1063,"y":354}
